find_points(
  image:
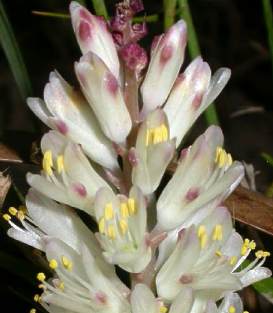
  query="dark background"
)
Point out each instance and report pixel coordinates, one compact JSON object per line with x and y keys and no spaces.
{"x":231,"y":33}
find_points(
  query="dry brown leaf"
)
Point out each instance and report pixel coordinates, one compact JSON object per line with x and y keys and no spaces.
{"x":5,"y":183}
{"x":8,"y":155}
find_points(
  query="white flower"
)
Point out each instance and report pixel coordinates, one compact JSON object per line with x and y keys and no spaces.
{"x":67,"y":175}
{"x":192,"y":93}
{"x":68,"y":112}
{"x":80,"y":285}
{"x":92,"y":35}
{"x":104,"y":95}
{"x":167,"y":56}
{"x":153,"y":152}
{"x":207,"y":257}
{"x":205,"y":174}
{"x":122,"y":228}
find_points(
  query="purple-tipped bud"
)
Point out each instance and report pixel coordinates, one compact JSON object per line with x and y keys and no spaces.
{"x":134,"y":56}
{"x":92,"y":35}
{"x":166,"y":59}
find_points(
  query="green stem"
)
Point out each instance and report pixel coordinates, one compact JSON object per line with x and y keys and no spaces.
{"x":194,"y":50}
{"x":268,"y":17}
{"x":100,"y":8}
{"x":169,"y":12}
{"x":13,"y":55}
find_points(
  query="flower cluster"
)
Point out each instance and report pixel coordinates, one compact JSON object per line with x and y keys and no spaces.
{"x":107,"y":154}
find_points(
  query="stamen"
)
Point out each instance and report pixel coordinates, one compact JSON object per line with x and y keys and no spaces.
{"x":163,"y":309}
{"x":66,"y":263}
{"x":61,"y":285}
{"x":218,"y":253}
{"x":36,"y":298}
{"x":202,"y":235}
{"x":149,"y":137}
{"x":123,"y":226}
{"x":108,"y":211}
{"x":218,"y":233}
{"x":6,"y":217}
{"x":262,"y":254}
{"x":20,"y":215}
{"x":111,"y":232}
{"x":53,"y":264}
{"x":201,"y":230}
{"x":12,"y":211}
{"x":131,"y":206}
{"x":233,"y":260}
{"x":165,"y":133}
{"x":124,"y":211}
{"x":41,"y":276}
{"x":157,"y":138}
{"x":229,"y":159}
{"x":102,"y":225}
{"x":252,"y":245}
{"x":32,"y":311}
{"x":47,"y":162}
{"x":231,"y":309}
{"x":60,"y":164}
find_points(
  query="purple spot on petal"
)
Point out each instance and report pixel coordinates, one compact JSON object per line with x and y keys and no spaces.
{"x":80,"y":189}
{"x":62,"y":127}
{"x":181,"y":234}
{"x":183,"y":153}
{"x":111,"y":83}
{"x":166,"y":54}
{"x":186,"y":279}
{"x":101,"y":297}
{"x":84,"y":31}
{"x":197,"y":100}
{"x":85,"y":15}
{"x":192,"y":193}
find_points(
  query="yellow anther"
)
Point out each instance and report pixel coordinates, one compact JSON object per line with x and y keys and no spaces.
{"x":102,"y":225}
{"x":163,"y":309}
{"x":20,"y":215}
{"x":66,"y":263}
{"x":245,"y":312}
{"x":47,"y":162}
{"x":36,"y":298}
{"x":262,"y":254}
{"x":149,"y":137}
{"x":60,"y":163}
{"x":108,"y":211}
{"x":222,"y":159}
{"x":233,"y":260}
{"x":218,"y":253}
{"x":131,"y":206}
{"x":266,"y":254}
{"x":41,"y":276}
{"x":61,"y":285}
{"x":124,"y":211}
{"x":246,"y":242}
{"x":157,"y":135}
{"x":252,"y":245}
{"x":12,"y":211}
{"x":217,"y":153}
{"x":111,"y":232}
{"x":201,"y":230}
{"x":231,"y":309}
{"x":22,"y":208}
{"x":165,"y":133}
{"x":32,"y":311}
{"x":6,"y":217}
{"x":244,"y":250}
{"x":203,"y":240}
{"x":53,"y":264}
{"x":218,"y":232}
{"x":123,"y":226}
{"x":229,"y":159}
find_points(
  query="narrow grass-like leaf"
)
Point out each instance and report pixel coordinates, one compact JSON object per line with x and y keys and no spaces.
{"x":194,"y":50}
{"x":13,"y":54}
{"x":169,"y":7}
{"x":100,"y":8}
{"x":268,"y":18}
{"x":268,"y":158}
{"x":51,"y":14}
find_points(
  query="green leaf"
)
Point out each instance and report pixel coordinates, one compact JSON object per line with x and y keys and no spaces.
{"x":100,"y":8}
{"x":13,"y":54}
{"x":268,"y":18}
{"x":268,"y":158}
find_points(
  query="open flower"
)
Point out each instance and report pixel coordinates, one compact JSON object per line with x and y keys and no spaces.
{"x":207,"y":257}
{"x":205,"y":174}
{"x":122,"y":228}
{"x":80,"y":285}
{"x":67,"y":175}
{"x":153,"y":152}
{"x":67,"y":111}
